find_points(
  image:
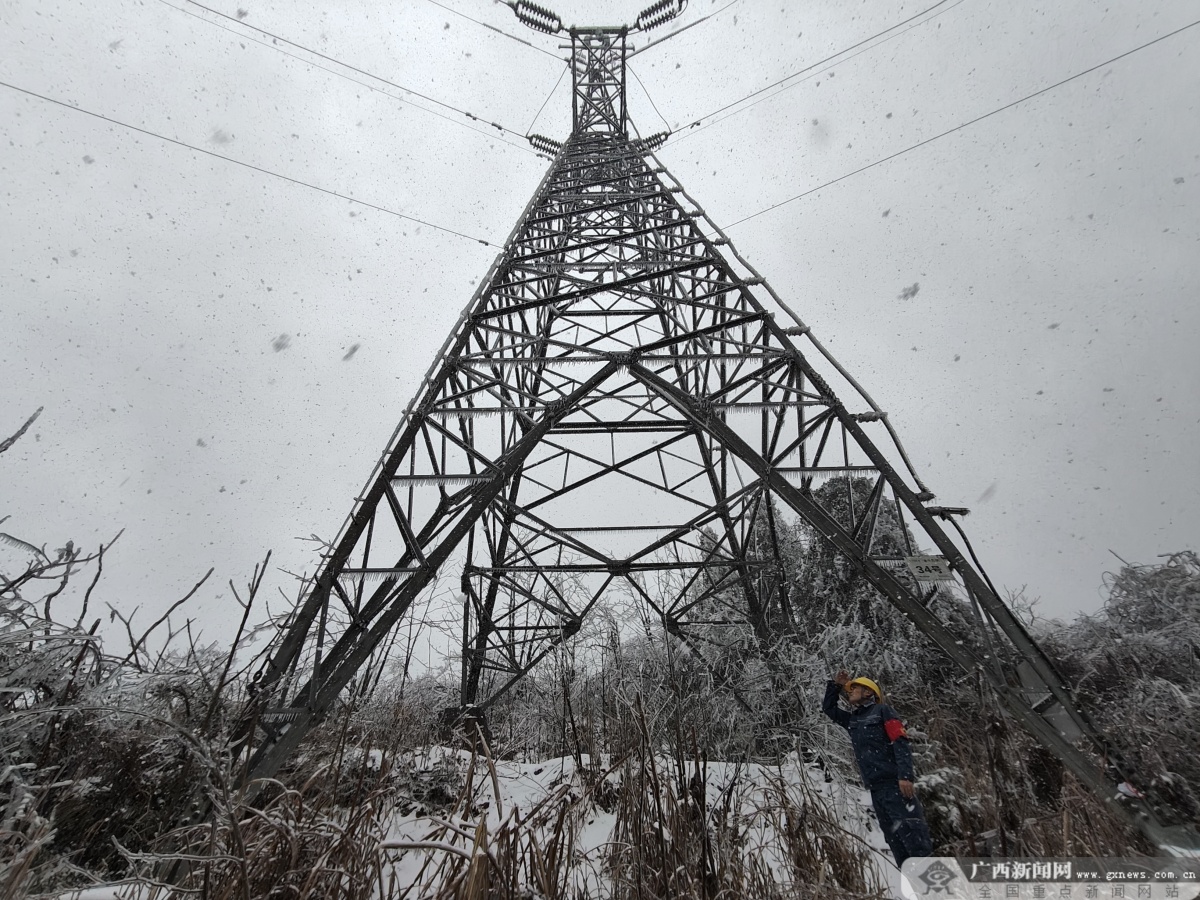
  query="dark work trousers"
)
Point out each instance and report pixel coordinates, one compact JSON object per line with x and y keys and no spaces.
{"x":902,"y":821}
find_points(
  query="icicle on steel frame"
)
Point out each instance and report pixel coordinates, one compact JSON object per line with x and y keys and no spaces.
{"x":617,"y":413}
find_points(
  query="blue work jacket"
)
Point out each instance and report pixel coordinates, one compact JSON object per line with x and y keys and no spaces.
{"x":880,"y":743}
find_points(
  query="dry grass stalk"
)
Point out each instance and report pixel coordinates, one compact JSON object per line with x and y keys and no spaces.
{"x":299,"y":844}
{"x":776,"y":839}
{"x":505,"y":854}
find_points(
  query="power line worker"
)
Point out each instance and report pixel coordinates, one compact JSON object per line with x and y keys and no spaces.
{"x":885,"y":762}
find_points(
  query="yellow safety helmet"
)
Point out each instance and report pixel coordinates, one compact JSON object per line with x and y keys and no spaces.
{"x":868,"y":684}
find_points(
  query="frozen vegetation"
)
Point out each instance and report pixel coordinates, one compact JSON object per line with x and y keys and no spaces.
{"x":624,"y":766}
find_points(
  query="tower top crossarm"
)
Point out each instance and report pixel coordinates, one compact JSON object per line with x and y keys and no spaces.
{"x":597,"y":62}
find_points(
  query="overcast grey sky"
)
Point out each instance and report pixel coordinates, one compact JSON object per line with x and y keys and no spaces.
{"x":222,"y":354}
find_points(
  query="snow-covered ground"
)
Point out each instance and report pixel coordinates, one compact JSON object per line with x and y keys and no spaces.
{"x":462,"y":816}
{"x":754,"y":794}
{"x":515,"y":801}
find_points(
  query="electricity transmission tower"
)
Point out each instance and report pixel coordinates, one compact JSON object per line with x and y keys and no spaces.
{"x":618,"y":410}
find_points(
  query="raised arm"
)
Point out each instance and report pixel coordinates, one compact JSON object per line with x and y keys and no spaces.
{"x":829,"y":705}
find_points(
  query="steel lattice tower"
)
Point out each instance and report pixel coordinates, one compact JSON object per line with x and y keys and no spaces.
{"x":618,"y":408}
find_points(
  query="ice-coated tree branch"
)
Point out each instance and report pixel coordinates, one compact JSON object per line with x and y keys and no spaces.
{"x":8,"y":442}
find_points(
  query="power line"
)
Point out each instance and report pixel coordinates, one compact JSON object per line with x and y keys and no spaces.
{"x":629,"y":69}
{"x":369,"y":87}
{"x":974,"y":121}
{"x":561,"y":75}
{"x":352,"y":68}
{"x":512,"y":37}
{"x":812,"y":73}
{"x":810,"y":68}
{"x":821,"y":62}
{"x":297,"y":181}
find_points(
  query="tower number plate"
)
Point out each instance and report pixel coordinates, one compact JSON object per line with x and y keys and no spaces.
{"x":929,"y":568}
